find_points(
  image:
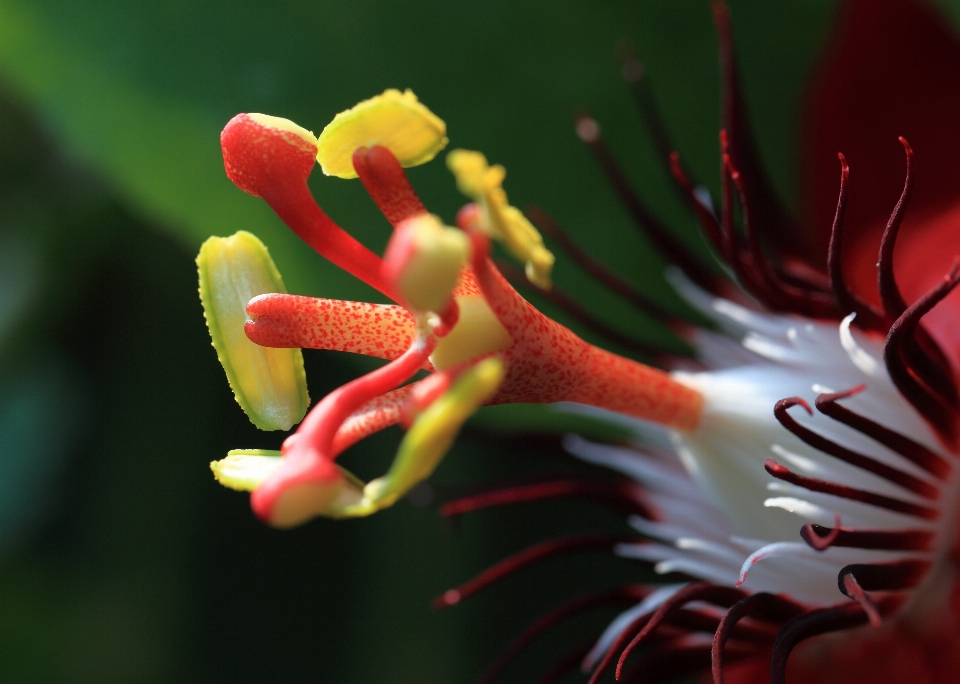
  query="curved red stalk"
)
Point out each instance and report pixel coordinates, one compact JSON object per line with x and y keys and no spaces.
{"x":810,"y":534}
{"x":320,"y":426}
{"x":274,"y":164}
{"x":890,"y":297}
{"x":387,"y":183}
{"x":867,"y":318}
{"x":930,"y":405}
{"x":377,"y":414}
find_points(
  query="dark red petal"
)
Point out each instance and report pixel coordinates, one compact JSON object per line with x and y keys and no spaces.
{"x":892,"y":68}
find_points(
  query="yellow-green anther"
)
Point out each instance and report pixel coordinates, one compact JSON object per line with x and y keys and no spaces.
{"x":484,"y":185}
{"x":426,"y":257}
{"x":395,"y":120}
{"x":245,"y":469}
{"x":430,"y":436}
{"x":269,"y":384}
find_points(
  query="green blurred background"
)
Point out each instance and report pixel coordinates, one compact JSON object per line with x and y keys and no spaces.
{"x":120,"y":558}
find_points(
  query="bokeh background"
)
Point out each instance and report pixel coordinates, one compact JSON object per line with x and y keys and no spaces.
{"x":121,"y":560}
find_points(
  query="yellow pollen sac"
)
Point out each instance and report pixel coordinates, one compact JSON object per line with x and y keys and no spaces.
{"x":395,"y":120}
{"x":484,"y":185}
{"x":269,"y":384}
{"x":436,"y":256}
{"x":430,"y":437}
{"x":478,"y":331}
{"x":285,"y":125}
{"x":244,"y":469}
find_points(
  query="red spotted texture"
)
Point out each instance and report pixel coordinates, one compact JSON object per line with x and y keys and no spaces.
{"x":549,"y":363}
{"x":384,"y":331}
{"x":261,"y":159}
{"x":378,"y":413}
{"x":467,"y":284}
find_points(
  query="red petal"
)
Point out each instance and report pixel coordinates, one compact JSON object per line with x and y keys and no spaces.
{"x":892,"y":68}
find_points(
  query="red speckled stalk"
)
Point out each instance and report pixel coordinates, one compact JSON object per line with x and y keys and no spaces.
{"x":299,"y":211}
{"x":318,"y":429}
{"x":274,"y":164}
{"x":378,"y":413}
{"x":549,"y":363}
{"x":387,"y":183}
{"x":384,"y":331}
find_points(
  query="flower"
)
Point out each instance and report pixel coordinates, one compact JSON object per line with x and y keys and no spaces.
{"x":783,"y":526}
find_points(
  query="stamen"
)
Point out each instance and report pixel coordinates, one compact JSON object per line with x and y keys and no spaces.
{"x":622,"y":496}
{"x":527,"y":557}
{"x":930,"y":405}
{"x":867,"y":318}
{"x":913,"y":451}
{"x":621,"y":596}
{"x":387,"y":183}
{"x":760,"y":606}
{"x":870,"y":498}
{"x":862,"y":461}
{"x":310,"y":448}
{"x":666,"y":244}
{"x":820,"y":537}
